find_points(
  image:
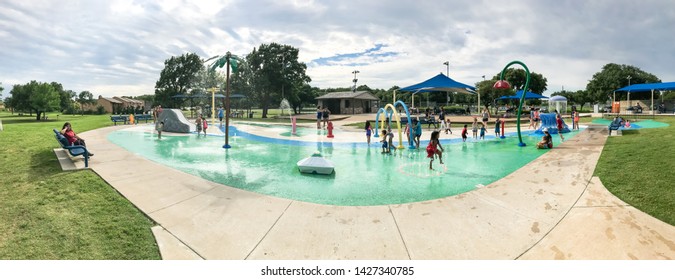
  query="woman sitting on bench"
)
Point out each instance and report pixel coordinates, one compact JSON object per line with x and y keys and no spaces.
{"x":73,"y":139}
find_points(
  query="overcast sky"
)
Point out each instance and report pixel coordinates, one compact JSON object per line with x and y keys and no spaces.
{"x":118,"y":47}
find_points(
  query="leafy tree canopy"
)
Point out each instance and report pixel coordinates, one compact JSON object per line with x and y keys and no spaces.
{"x":179,"y":75}
{"x":614,"y":76}
{"x":270,"y":73}
{"x":35,"y":96}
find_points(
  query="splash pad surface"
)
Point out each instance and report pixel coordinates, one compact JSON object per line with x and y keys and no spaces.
{"x":363,"y":175}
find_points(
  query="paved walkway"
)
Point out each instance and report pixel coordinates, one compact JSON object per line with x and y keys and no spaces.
{"x":552,"y":208}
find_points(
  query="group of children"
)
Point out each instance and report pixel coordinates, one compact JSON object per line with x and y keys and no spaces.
{"x":434,"y":149}
{"x":483,"y":130}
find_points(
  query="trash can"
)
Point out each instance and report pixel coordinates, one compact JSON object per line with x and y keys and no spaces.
{"x":250,"y":115}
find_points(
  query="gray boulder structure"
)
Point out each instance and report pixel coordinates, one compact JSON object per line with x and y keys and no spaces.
{"x":175,"y":121}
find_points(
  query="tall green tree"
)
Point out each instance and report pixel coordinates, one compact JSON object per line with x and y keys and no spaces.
{"x":517,"y":78}
{"x":488,"y":94}
{"x":35,"y":96}
{"x":85,"y":98}
{"x":614,"y":76}
{"x":65,"y":96}
{"x":273,"y":73}
{"x":1,"y":89}
{"x":178,"y":76}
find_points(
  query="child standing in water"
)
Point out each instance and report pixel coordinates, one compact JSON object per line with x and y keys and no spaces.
{"x":464,"y":133}
{"x":390,"y":138}
{"x":418,"y":134}
{"x":482,"y":132}
{"x":408,"y":129}
{"x":159,"y":126}
{"x":199,"y":124}
{"x":447,"y":126}
{"x":368,"y":131}
{"x":204,"y":125}
{"x":474,"y":128}
{"x":559,"y":123}
{"x":385,"y":147}
{"x":497,"y":123}
{"x":434,"y":148}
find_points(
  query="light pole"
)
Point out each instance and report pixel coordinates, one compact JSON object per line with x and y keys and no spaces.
{"x":283,"y":79}
{"x":355,"y":79}
{"x":447,"y":73}
{"x":628,"y":96}
{"x":503,"y":84}
{"x":213,"y":104}
{"x":479,"y":94}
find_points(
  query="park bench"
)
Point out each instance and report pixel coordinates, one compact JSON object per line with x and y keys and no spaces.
{"x":119,"y":118}
{"x":74,"y":150}
{"x":141,"y":117}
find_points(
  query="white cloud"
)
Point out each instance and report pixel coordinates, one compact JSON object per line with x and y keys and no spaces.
{"x":118,"y":47}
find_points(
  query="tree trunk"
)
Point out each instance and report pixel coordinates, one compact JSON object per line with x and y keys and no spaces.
{"x":38,"y":115}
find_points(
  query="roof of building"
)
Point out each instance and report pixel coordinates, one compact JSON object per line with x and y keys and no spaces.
{"x":128,"y":100}
{"x":111,"y":100}
{"x":363,"y":95}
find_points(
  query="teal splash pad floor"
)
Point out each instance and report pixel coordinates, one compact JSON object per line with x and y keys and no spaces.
{"x":363,"y":175}
{"x":634,"y":125}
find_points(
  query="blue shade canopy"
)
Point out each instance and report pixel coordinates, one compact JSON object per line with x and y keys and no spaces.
{"x":440,"y":82}
{"x":648,"y":87}
{"x":528,"y":95}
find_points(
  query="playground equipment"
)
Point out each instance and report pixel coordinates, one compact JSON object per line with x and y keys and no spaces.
{"x":389,"y":115}
{"x":502,"y":130}
{"x":557,"y":103}
{"x":316,"y":164}
{"x":548,"y":121}
{"x":175,"y":121}
{"x":330,"y":130}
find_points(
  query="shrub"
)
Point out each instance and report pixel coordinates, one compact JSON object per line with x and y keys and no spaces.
{"x":100,"y":110}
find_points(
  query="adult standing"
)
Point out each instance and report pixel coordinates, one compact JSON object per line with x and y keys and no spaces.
{"x":325,"y":116}
{"x":158,"y":111}
{"x":221,"y":115}
{"x":536,"y":118}
{"x":486,"y":116}
{"x":319,"y":114}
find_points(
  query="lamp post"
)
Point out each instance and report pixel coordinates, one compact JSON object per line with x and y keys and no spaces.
{"x":447,"y":73}
{"x":213,"y":104}
{"x":355,"y":79}
{"x":628,"y":96}
{"x":479,"y":94}
{"x":503,"y":84}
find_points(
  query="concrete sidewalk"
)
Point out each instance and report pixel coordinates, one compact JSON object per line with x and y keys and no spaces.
{"x":552,"y":208}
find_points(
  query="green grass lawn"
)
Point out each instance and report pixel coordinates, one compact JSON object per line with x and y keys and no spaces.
{"x":46,"y":213}
{"x":638,"y":168}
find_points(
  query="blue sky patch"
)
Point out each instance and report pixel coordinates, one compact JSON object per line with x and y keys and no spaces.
{"x":353,"y":59}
